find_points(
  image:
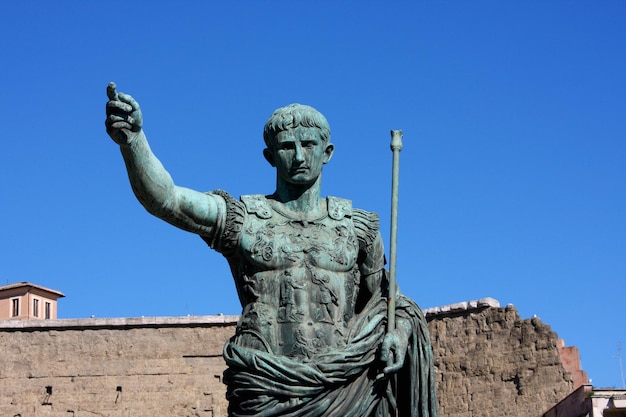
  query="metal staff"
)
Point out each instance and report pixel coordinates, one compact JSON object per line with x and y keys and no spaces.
{"x":396,"y":147}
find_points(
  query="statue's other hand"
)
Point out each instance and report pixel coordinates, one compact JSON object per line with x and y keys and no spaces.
{"x":124,"y":119}
{"x":393,"y":351}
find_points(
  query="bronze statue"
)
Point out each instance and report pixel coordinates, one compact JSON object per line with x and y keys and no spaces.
{"x":309,"y":272}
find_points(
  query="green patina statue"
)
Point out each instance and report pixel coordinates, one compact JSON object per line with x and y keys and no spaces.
{"x":309,"y":272}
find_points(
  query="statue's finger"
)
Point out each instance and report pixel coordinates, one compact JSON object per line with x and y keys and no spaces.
{"x":394,"y":365}
{"x":114,"y":107}
{"x":120,"y":125}
{"x":389,"y":370}
{"x":111,"y":91}
{"x":384,"y":350}
{"x":115,"y":118}
{"x":130,"y":100}
{"x":127,"y":98}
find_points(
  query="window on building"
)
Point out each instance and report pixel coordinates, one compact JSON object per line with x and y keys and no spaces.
{"x":47,"y":311}
{"x":15,"y":307}
{"x":35,"y":308}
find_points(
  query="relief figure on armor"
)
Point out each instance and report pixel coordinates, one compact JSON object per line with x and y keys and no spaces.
{"x":309,"y":272}
{"x":289,"y":308}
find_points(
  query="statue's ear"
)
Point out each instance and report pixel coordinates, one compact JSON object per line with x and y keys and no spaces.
{"x":269,"y":156}
{"x":328,"y":152}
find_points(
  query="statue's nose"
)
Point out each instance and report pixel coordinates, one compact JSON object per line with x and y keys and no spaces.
{"x":298,"y":154}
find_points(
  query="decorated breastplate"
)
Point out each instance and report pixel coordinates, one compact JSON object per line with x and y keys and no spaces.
{"x":299,"y":280}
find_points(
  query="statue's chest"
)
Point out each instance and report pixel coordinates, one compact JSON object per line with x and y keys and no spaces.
{"x":279,"y":243}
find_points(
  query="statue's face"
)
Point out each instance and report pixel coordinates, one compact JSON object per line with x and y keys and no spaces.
{"x":299,"y":154}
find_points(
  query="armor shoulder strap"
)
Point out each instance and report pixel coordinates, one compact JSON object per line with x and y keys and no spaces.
{"x":225,"y":238}
{"x":367,"y":226}
{"x":257,"y":204}
{"x":338,"y":208}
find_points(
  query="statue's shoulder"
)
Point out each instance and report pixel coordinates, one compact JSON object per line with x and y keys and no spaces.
{"x":257,"y":205}
{"x":338,"y":208}
{"x":225,"y":236}
{"x":367,"y":225}
{"x":367,"y":218}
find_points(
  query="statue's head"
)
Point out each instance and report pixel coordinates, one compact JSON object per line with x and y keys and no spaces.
{"x":292,"y":116}
{"x":298,"y":144}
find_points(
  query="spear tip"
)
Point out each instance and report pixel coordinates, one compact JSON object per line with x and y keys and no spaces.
{"x":396,"y":140}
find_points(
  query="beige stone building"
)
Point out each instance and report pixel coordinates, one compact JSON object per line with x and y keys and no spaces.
{"x":27,"y":301}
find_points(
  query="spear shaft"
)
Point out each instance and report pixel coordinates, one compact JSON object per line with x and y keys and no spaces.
{"x":396,"y":147}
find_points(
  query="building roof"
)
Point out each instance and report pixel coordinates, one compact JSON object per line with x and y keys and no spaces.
{"x":29,"y":285}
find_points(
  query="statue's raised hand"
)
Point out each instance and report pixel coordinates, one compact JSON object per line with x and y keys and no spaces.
{"x":124,"y":117}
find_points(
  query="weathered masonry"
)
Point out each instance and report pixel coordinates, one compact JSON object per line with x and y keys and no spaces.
{"x":113,"y":367}
{"x":489,"y":362}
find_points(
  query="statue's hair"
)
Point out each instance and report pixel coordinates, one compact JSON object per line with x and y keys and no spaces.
{"x":292,"y":116}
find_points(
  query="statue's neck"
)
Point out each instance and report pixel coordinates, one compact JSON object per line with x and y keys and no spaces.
{"x":300,"y":199}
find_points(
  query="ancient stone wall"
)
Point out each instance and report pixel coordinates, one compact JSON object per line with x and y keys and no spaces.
{"x":488,"y":361}
{"x":113,"y":367}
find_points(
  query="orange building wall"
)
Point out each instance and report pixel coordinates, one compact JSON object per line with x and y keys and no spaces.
{"x":570,"y":358}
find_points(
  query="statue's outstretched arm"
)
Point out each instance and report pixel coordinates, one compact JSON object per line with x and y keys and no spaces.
{"x":184,"y":208}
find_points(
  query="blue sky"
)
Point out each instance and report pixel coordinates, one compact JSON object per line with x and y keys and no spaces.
{"x":513,"y":173}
